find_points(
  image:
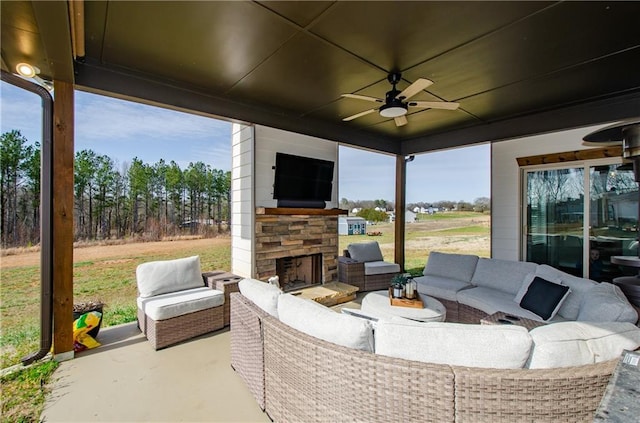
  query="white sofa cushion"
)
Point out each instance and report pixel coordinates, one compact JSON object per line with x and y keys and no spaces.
{"x":503,"y":275}
{"x":606,"y":302}
{"x":578,"y":343}
{"x":365,"y":251}
{"x":455,"y":344}
{"x":579,"y":286}
{"x":174,"y":304}
{"x":321,"y":322}
{"x":491,"y":301}
{"x":454,"y":266}
{"x":161,"y":277}
{"x":263,"y":294}
{"x":440,"y":286}
{"x":380,"y":268}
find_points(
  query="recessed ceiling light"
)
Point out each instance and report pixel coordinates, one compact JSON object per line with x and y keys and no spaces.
{"x":26,"y":70}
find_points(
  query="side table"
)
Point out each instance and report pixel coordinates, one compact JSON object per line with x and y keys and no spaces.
{"x":226,"y":282}
{"x":502,"y":318}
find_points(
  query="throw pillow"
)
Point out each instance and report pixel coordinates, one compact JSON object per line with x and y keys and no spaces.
{"x":544,"y":298}
{"x":527,"y":281}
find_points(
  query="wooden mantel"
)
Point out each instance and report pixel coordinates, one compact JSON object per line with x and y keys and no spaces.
{"x":299,"y":211}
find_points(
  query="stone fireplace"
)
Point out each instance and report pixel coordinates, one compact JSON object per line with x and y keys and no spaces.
{"x":298,"y":245}
{"x":299,"y":272}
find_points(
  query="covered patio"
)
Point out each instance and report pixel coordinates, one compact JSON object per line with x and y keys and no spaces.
{"x":516,"y":69}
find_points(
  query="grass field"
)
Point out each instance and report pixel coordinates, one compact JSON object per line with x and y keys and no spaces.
{"x":107,"y":273}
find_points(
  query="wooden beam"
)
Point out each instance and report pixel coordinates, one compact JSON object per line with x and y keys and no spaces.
{"x":62,"y":221}
{"x":571,"y":156}
{"x":401,"y":185}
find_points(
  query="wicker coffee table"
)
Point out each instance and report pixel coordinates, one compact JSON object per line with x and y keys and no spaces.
{"x":377,"y":304}
{"x":502,"y":318}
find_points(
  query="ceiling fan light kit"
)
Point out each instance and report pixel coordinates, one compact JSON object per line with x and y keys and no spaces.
{"x":396,"y":105}
{"x":394,"y":109}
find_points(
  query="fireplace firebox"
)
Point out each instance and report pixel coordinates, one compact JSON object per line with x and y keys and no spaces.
{"x":299,"y":272}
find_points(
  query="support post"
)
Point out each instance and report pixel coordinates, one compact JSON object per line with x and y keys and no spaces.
{"x":62,"y":221}
{"x":401,"y":185}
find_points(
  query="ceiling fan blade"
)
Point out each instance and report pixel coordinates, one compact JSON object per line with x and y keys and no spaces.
{"x":363,"y":97}
{"x":357,"y":115}
{"x":401,"y":120}
{"x":446,"y":105}
{"x":415,"y":88}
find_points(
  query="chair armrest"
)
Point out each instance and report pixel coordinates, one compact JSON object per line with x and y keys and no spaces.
{"x":351,"y":271}
{"x":227,"y":283}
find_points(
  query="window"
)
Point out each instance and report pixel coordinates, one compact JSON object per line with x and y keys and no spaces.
{"x":557,"y":201}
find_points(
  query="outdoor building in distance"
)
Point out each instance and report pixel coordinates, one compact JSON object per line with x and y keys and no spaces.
{"x":352,"y":226}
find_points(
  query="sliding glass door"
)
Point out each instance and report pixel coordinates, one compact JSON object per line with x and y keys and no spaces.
{"x":613,"y":219}
{"x":557,"y":201}
{"x":555,"y":218}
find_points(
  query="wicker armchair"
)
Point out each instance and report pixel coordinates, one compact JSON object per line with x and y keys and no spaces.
{"x":362,"y":265}
{"x":174,"y":304}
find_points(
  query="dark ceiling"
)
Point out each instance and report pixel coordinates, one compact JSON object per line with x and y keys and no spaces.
{"x":516,"y":68}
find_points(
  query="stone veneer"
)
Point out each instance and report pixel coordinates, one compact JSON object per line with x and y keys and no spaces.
{"x":293,"y":235}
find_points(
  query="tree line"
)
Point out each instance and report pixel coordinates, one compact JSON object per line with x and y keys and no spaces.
{"x":480,"y":204}
{"x":136,"y":199}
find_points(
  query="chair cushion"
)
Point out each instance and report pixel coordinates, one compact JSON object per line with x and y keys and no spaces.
{"x":454,"y":266}
{"x":503,"y":275}
{"x":440,"y":286}
{"x":380,"y":268}
{"x":321,"y":322}
{"x":263,"y":294}
{"x":365,"y":251}
{"x":174,"y":304}
{"x":579,"y":286}
{"x":568,"y":344}
{"x":544,"y":298}
{"x":162,"y":277}
{"x":605,"y":302}
{"x":455,"y":344}
{"x":491,"y":301}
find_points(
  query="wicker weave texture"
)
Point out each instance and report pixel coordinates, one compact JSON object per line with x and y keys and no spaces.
{"x":247,"y":356}
{"x":310,"y":380}
{"x":452,"y":309}
{"x":351,"y":272}
{"x":569,"y":394}
{"x":162,"y":333}
{"x":378,"y":282}
{"x":468,"y":314}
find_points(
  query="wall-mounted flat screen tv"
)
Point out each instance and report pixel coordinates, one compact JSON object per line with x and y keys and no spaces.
{"x":302,"y":181}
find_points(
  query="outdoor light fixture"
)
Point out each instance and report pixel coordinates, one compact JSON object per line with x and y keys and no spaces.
{"x":26,"y":70}
{"x":394,"y":109}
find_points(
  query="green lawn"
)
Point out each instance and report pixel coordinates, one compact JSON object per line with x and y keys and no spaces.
{"x":112,"y":280}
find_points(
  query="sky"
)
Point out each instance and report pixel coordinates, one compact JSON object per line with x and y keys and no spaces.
{"x":123,"y":130}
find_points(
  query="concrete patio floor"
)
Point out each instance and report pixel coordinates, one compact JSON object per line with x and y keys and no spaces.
{"x":125,"y":380}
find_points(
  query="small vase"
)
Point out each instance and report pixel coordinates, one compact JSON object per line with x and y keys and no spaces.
{"x":397,"y":292}
{"x":409,"y":290}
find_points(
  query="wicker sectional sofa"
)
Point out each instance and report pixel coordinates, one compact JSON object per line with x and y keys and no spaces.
{"x":296,"y":374}
{"x":471,"y":288}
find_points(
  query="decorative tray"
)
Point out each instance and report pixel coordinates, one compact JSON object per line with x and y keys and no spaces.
{"x":405,"y":302}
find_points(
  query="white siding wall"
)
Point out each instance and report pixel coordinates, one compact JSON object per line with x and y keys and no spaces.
{"x":242,"y":199}
{"x":269,"y":141}
{"x":506,"y":189}
{"x":254,"y":151}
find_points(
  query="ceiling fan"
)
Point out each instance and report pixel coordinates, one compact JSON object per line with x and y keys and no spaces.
{"x":395,"y":103}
